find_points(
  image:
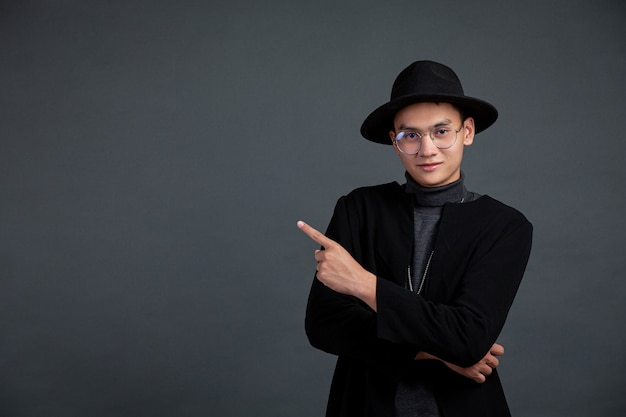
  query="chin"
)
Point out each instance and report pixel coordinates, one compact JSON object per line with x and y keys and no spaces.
{"x":430,"y":182}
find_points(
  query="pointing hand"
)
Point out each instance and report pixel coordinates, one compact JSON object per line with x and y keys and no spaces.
{"x":338,"y":270}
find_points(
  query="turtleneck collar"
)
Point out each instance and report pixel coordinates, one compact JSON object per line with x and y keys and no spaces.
{"x":454,"y":192}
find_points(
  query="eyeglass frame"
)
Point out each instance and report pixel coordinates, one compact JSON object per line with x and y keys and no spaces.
{"x":421,"y":138}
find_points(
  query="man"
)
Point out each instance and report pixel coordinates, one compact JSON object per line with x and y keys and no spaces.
{"x":415,"y":281}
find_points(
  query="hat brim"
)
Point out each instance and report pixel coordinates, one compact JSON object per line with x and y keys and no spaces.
{"x":377,"y":125}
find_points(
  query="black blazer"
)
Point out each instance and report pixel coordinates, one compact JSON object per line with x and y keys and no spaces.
{"x":480,"y":254}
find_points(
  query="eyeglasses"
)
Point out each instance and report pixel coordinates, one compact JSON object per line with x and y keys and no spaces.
{"x":409,"y":142}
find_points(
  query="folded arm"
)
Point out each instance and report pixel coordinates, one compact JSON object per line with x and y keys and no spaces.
{"x":477,"y":372}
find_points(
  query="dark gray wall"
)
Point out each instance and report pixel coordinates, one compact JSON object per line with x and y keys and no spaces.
{"x":155,"y":156}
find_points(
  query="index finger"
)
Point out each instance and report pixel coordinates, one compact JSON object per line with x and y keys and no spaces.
{"x":315,"y":234}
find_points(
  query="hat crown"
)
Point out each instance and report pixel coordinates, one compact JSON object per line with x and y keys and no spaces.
{"x":426,"y":78}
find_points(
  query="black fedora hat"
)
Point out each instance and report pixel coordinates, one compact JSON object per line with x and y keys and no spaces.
{"x":425,"y":81}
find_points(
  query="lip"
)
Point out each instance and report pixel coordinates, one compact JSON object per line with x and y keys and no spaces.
{"x":430,"y":166}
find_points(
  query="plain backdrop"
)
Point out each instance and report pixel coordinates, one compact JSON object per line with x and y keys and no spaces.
{"x":156,"y":155}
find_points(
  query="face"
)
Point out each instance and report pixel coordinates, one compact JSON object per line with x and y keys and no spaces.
{"x":431,"y":166}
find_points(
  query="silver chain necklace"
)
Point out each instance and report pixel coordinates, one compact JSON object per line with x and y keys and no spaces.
{"x":419,"y":290}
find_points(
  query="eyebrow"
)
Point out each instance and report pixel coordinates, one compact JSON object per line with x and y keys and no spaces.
{"x":443,"y":122}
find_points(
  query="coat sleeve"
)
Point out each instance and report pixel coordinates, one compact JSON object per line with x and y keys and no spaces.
{"x":462,"y":329}
{"x":343,"y":325}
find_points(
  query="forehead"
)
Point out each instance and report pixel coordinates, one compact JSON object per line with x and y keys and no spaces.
{"x":426,"y":114}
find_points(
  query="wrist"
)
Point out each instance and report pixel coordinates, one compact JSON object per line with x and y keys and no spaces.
{"x":366,"y":290}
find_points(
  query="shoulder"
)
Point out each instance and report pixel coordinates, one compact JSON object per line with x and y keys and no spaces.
{"x":486,"y":211}
{"x":496,"y":207}
{"x":373,"y":194}
{"x":485,"y":223}
{"x":374,"y":206}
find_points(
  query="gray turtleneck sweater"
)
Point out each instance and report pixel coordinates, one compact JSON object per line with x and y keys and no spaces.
{"x":413,"y":396}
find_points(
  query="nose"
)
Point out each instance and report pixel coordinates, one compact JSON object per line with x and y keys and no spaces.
{"x":427,"y":147}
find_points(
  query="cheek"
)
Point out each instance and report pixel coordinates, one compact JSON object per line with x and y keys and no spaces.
{"x":407,"y":161}
{"x":457,"y":157}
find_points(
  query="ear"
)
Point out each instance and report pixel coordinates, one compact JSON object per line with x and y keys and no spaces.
{"x":468,"y":130}
{"x":392,"y":137}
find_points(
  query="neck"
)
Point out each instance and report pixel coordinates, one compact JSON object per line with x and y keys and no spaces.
{"x":454,"y":192}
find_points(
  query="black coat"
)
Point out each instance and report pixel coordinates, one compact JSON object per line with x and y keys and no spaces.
{"x":480,"y":253}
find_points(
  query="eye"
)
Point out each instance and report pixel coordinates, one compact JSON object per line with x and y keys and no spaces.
{"x":409,"y":136}
{"x":441,"y":131}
